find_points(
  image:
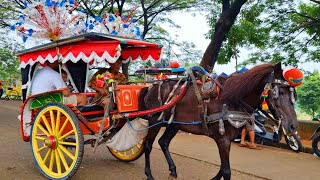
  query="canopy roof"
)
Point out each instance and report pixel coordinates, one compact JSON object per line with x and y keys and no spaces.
{"x":91,"y":48}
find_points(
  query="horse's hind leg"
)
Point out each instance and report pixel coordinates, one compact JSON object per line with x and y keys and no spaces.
{"x":224,"y":151}
{"x":164,"y":143}
{"x":152,"y":133}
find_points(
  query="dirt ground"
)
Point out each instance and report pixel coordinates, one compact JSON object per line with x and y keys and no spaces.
{"x":196,"y":158}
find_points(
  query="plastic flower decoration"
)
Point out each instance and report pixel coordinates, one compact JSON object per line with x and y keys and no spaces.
{"x":104,"y":77}
{"x":49,"y":19}
{"x":124,"y":26}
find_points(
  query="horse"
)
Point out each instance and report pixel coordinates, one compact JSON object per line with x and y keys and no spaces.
{"x":241,"y":93}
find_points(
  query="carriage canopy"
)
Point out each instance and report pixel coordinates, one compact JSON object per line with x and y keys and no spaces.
{"x":91,"y":48}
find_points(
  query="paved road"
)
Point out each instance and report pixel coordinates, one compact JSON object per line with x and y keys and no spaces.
{"x":196,"y":157}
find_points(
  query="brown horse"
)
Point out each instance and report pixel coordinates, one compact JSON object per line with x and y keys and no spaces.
{"x":246,"y":87}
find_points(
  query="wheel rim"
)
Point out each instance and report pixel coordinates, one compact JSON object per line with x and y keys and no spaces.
{"x":130,"y":154}
{"x":55,"y":142}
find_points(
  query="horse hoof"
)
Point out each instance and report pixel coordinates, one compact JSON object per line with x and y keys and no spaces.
{"x":172,"y":176}
{"x":150,"y":178}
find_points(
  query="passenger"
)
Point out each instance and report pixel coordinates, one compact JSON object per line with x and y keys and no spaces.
{"x":48,"y":79}
{"x":102,"y":96}
{"x":64,"y":77}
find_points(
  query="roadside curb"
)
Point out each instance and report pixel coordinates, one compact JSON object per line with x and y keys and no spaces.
{"x":305,"y":149}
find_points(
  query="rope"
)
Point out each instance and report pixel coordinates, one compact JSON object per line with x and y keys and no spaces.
{"x":160,"y":122}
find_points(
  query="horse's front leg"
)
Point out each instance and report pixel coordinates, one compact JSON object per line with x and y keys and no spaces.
{"x":152,"y":133}
{"x":224,"y":151}
{"x":164,"y":143}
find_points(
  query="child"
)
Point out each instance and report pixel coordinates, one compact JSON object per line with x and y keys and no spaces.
{"x":64,"y":76}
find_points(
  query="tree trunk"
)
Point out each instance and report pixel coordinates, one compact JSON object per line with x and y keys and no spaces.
{"x":222,"y":27}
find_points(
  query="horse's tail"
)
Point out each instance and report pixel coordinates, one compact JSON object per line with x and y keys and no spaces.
{"x":143,"y":93}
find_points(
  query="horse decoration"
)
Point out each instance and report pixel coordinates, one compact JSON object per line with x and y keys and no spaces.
{"x":221,"y":117}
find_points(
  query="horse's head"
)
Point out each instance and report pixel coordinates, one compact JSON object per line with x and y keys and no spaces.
{"x":281,"y":99}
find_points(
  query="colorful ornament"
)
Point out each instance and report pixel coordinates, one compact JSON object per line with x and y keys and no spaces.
{"x":293,"y":75}
{"x":174,"y":64}
{"x":104,"y":77}
{"x":264,"y":95}
{"x":49,"y":19}
{"x":161,"y":76}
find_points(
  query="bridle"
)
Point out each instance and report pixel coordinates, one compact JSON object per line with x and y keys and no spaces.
{"x":272,"y":87}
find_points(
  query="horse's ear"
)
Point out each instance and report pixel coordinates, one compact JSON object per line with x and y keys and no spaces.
{"x":277,"y":70}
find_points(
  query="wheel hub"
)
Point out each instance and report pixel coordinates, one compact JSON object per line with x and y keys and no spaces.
{"x":51,"y":142}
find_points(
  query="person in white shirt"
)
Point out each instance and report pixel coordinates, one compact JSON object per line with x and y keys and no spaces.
{"x":48,"y":79}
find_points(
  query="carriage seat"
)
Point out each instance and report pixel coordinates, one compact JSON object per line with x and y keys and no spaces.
{"x":91,"y":112}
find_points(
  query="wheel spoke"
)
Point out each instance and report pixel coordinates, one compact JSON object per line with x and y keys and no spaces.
{"x":58,"y":161}
{"x":42,"y":148}
{"x":64,"y":162}
{"x":46,"y":156}
{"x":43,"y":130}
{"x":63,"y":126}
{"x":51,"y":160}
{"x":67,"y":152}
{"x":65,"y":135}
{"x":67,"y":143}
{"x":40,"y":138}
{"x":46,"y":123}
{"x":52,"y":121}
{"x":132,"y":151}
{"x":57,"y":122}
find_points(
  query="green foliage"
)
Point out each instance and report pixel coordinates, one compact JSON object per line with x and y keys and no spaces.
{"x":274,"y":30}
{"x":309,"y":94}
{"x":9,"y":64}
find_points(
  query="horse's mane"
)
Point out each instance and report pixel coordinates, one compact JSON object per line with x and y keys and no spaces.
{"x":240,"y":85}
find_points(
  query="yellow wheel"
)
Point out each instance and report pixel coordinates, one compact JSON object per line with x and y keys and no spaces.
{"x":130,"y":155}
{"x":57,"y":141}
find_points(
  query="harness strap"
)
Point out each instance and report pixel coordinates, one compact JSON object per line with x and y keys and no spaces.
{"x":200,"y":103}
{"x":170,"y":97}
{"x":159,"y":93}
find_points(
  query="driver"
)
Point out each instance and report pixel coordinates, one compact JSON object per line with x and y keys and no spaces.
{"x":48,"y":79}
{"x":102,"y":96}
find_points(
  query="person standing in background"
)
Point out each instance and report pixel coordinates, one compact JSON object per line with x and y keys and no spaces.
{"x":1,"y":89}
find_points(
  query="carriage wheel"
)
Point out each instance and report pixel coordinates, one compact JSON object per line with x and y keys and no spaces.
{"x":130,"y":155}
{"x":57,"y":141}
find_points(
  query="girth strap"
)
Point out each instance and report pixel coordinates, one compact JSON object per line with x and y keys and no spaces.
{"x":201,"y":109}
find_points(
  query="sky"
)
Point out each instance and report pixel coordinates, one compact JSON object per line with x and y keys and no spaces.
{"x":194,"y":29}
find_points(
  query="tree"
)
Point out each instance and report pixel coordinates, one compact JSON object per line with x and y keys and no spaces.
{"x":9,"y":64}
{"x":275,"y":30}
{"x":309,"y":94}
{"x":222,"y":25}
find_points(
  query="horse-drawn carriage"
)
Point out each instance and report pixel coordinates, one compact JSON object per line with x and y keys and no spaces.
{"x":56,"y":131}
